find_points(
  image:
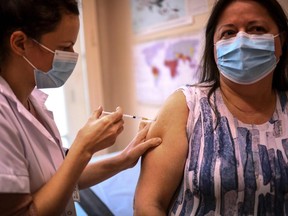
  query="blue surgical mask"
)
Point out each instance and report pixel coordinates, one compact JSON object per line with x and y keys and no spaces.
{"x":62,"y":67}
{"x":246,"y":59}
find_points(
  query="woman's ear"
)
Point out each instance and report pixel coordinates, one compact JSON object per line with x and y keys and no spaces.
{"x":18,"y":42}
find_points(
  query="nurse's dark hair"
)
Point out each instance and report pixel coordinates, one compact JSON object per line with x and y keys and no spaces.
{"x":33,"y":17}
{"x":210,"y":72}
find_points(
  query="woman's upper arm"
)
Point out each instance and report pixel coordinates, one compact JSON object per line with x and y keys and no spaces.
{"x":162,"y":167}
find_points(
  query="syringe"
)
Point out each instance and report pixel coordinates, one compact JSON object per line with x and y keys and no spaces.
{"x":131,"y":116}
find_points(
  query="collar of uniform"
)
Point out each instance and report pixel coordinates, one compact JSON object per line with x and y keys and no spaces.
{"x":8,"y":92}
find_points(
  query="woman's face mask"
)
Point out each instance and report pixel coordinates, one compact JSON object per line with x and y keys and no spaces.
{"x":246,"y":59}
{"x":62,"y":67}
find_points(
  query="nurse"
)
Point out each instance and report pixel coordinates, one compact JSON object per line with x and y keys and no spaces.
{"x":36,"y":178}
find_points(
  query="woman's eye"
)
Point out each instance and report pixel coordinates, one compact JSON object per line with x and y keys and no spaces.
{"x":66,"y":48}
{"x":69,"y":49}
{"x":228,"y":34}
{"x":257,"y":30}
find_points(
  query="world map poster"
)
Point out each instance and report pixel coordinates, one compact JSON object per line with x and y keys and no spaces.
{"x":163,"y":66}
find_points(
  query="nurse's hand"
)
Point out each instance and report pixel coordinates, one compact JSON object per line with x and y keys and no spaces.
{"x":99,"y":132}
{"x":137,"y":147}
{"x":127,"y":158}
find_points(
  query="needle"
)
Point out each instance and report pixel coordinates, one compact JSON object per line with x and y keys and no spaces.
{"x":131,"y":116}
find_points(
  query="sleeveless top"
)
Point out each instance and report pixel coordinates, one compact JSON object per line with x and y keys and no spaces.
{"x":232,"y":168}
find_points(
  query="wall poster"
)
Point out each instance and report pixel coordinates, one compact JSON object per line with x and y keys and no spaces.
{"x":164,"y":65}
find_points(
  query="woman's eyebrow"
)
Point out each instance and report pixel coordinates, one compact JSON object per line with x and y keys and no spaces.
{"x":225,"y":26}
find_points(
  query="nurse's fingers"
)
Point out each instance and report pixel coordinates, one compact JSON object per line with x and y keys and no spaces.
{"x":98,"y":112}
{"x":143,"y":124}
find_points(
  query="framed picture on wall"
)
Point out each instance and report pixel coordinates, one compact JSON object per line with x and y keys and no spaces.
{"x":154,"y":15}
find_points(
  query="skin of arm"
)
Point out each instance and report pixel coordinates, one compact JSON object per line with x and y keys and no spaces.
{"x":162,"y":168}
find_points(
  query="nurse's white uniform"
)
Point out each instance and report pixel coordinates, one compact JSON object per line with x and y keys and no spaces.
{"x":30,"y":153}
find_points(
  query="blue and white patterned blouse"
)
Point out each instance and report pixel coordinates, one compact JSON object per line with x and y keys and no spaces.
{"x":235,"y":168}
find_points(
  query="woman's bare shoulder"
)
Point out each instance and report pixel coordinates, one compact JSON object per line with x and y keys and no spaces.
{"x":171,"y":118}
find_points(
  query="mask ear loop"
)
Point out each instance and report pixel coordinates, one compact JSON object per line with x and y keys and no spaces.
{"x":280,"y":35}
{"x":284,"y":39}
{"x":44,"y":47}
{"x":29,"y":62}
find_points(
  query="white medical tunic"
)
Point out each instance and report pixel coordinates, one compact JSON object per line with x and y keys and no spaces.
{"x":30,"y":152}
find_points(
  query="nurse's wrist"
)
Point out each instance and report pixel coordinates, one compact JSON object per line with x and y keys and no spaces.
{"x":80,"y":152}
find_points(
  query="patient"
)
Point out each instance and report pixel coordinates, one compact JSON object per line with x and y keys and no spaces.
{"x":225,"y":140}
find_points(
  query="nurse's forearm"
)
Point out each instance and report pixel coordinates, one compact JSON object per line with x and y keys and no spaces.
{"x":99,"y":171}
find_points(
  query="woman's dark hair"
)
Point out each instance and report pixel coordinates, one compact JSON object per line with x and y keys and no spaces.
{"x":33,"y":17}
{"x":210,"y":72}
